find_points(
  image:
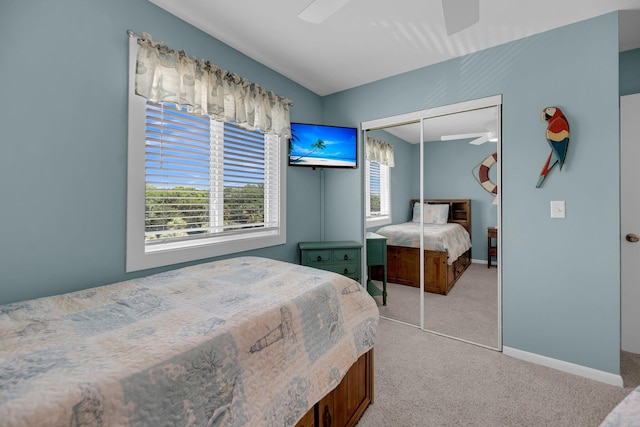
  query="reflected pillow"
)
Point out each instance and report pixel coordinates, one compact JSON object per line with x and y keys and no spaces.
{"x":433,"y":214}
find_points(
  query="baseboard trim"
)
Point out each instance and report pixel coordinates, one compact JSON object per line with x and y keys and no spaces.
{"x":571,"y":368}
{"x":483,"y":261}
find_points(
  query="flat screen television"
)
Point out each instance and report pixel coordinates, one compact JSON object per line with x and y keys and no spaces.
{"x":322,"y":146}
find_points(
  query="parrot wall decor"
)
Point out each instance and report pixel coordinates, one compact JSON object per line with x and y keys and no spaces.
{"x":558,"y":139}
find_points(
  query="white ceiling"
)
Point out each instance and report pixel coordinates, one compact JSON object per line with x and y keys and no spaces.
{"x":368,"y":40}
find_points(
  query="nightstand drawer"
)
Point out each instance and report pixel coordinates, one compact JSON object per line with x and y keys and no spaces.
{"x":349,"y":269}
{"x":313,"y":256}
{"x":346,"y":254}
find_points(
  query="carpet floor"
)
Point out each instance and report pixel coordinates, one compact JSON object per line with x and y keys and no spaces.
{"x":468,"y":312}
{"x":423,"y":379}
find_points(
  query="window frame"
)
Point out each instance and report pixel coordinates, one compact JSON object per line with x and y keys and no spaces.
{"x":139,"y":256}
{"x":377,"y":220}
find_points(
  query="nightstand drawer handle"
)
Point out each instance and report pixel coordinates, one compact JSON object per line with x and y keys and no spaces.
{"x":346,"y":257}
{"x":319,"y":258}
{"x":346,"y":271}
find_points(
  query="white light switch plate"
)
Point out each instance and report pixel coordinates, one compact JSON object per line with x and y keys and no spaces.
{"x":558,"y":209}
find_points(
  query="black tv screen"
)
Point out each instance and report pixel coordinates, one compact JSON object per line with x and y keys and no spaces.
{"x":322,"y":146}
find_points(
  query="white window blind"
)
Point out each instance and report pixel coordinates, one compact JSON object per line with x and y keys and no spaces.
{"x":198,"y":188}
{"x":205,"y":179}
{"x":378,"y":190}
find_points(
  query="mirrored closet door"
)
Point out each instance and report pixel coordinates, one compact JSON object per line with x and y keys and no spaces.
{"x":446,"y":158}
{"x":386,"y":189}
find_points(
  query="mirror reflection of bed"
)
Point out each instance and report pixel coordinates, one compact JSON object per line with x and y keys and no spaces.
{"x":461,"y":297}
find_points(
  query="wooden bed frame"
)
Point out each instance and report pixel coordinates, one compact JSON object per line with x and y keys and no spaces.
{"x":345,"y":404}
{"x":403,"y":263}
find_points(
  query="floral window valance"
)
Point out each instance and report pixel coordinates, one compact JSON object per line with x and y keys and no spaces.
{"x":166,"y":75}
{"x":379,"y":151}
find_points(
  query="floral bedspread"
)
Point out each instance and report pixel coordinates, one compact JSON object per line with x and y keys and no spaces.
{"x":450,"y":237}
{"x":626,"y":413}
{"x":245,"y":341}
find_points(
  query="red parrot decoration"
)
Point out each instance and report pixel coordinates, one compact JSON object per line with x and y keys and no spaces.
{"x":558,"y":139}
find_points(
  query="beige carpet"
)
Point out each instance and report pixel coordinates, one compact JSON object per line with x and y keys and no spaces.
{"x":469,"y":311}
{"x":422,"y":379}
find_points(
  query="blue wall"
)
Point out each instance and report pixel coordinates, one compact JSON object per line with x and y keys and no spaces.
{"x":561,"y":284}
{"x":63,"y":119}
{"x":447,"y":175}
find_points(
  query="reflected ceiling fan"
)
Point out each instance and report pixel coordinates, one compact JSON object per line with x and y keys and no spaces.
{"x":458,"y":14}
{"x":479,"y":137}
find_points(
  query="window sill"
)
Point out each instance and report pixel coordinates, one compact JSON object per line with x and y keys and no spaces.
{"x":142,"y":258}
{"x":378,"y":221}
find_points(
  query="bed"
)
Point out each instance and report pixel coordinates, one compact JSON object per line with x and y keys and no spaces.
{"x":447,"y":245}
{"x":244,"y":341}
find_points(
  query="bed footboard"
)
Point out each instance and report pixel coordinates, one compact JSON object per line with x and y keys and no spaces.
{"x":344,"y":405}
{"x":403,"y":267}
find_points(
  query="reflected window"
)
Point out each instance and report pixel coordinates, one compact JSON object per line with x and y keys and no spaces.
{"x":378,"y":194}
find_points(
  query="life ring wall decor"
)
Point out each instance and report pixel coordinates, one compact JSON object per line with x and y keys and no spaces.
{"x":482,"y":174}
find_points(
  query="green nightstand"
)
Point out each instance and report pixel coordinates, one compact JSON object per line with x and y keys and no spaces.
{"x":377,"y":255}
{"x":340,"y":257}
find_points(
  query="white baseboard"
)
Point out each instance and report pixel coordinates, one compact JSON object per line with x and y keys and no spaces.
{"x":571,"y":368}
{"x":483,"y":261}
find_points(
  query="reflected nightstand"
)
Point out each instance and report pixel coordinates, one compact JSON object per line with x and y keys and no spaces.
{"x":492,"y":250}
{"x":377,"y":255}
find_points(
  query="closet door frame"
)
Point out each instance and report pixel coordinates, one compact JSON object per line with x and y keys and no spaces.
{"x":421,"y":116}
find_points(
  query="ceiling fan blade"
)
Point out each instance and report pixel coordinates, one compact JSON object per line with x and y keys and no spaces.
{"x":464,"y":136}
{"x":479,"y":137}
{"x":319,"y":10}
{"x":480,"y":141}
{"x":460,"y":14}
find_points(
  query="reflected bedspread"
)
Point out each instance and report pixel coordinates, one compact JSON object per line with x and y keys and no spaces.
{"x":451,"y":238}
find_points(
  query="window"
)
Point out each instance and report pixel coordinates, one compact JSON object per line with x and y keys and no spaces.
{"x":378,"y":197}
{"x":199,"y":188}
